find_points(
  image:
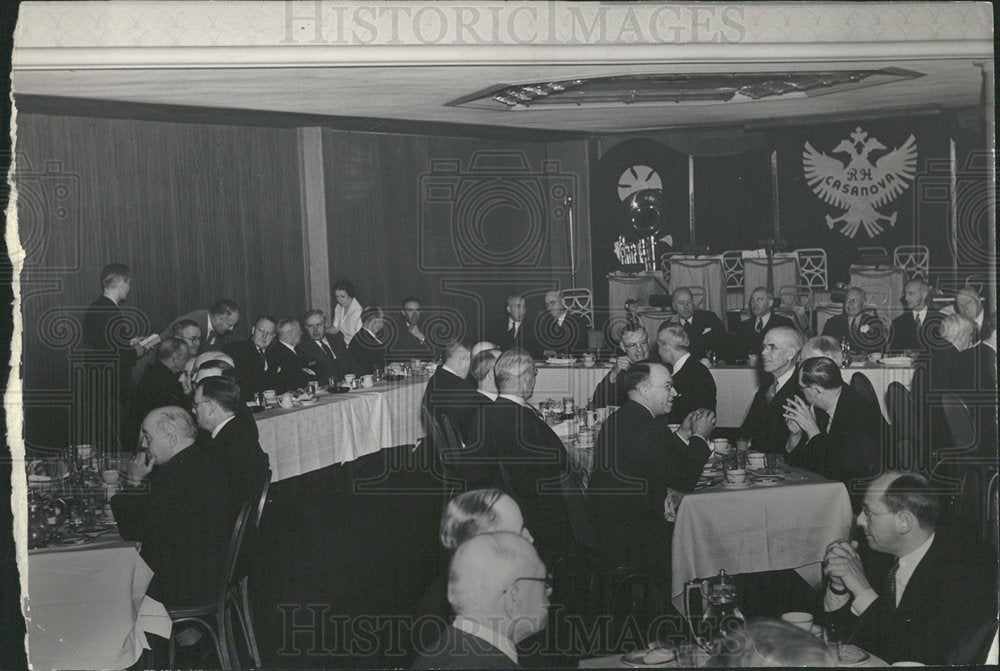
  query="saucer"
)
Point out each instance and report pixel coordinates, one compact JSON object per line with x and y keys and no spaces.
{"x":734,"y":485}
{"x":650,"y":657}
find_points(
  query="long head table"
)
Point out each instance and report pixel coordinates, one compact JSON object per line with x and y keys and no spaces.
{"x":338,"y":428}
{"x":87,"y":606}
{"x":758,"y":528}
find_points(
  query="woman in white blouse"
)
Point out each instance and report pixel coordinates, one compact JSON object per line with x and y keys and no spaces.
{"x":347,"y":314}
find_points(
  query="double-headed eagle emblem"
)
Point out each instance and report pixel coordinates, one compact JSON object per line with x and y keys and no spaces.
{"x":860,"y":186}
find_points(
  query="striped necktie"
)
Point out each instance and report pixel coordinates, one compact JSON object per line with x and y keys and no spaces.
{"x":890,"y":584}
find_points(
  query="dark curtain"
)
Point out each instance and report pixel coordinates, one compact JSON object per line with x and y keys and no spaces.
{"x":733,"y":207}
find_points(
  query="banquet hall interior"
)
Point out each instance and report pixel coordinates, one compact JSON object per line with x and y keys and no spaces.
{"x":466,"y":158}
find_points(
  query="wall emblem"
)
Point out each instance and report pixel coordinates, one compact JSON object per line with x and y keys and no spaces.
{"x":859,"y":186}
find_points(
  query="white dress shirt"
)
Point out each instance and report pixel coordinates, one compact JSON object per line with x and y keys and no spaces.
{"x":681,"y":361}
{"x":907,"y":565}
{"x":494,"y":638}
{"x":349,"y":320}
{"x":218,"y":427}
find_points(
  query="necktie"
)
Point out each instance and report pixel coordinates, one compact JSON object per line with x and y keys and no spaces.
{"x":211,"y":338}
{"x":822,"y":420}
{"x":760,"y":324}
{"x":263,"y":357}
{"x":512,"y":331}
{"x":772,"y":390}
{"x":687,"y":322}
{"x":916,"y":319}
{"x":890,"y":584}
{"x":326,"y":348}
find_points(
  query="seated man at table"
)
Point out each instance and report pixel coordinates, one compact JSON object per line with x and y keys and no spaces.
{"x":915,"y":329}
{"x":448,"y":391}
{"x":823,"y":346}
{"x":969,"y":304}
{"x":558,"y":331}
{"x":749,"y":334}
{"x":367,"y":346}
{"x":480,"y":371}
{"x":183,"y":516}
{"x":409,"y":340}
{"x":253,"y":371}
{"x":703,"y":327}
{"x":832,"y":431}
{"x":514,"y":329}
{"x":636,"y":459}
{"x":764,"y":425}
{"x":634,"y":345}
{"x":863,"y":331}
{"x":323,"y":355}
{"x":233,"y":433}
{"x":524,"y":457}
{"x":693,"y":382}
{"x":283,"y":361}
{"x":918,"y":594}
{"x":499,"y":589}
{"x":160,"y":385}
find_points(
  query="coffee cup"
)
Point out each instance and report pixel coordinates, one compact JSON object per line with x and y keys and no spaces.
{"x":874,"y":356}
{"x":585,"y":437}
{"x":285,"y":400}
{"x":799,"y":619}
{"x":349,"y":378}
{"x":588,"y":360}
{"x":753,"y":360}
{"x":270,"y":395}
{"x":755,"y":460}
{"x":720,"y":445}
{"x":367,"y":380}
{"x":737,"y":476}
{"x":110,"y":476}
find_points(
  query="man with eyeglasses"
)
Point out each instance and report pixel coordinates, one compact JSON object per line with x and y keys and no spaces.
{"x":832,"y":430}
{"x":219,"y":321}
{"x":918,"y":595}
{"x":637,"y":458}
{"x":499,"y":589}
{"x":188,"y":331}
{"x":764,"y":426}
{"x":634,"y":344}
{"x":253,"y":372}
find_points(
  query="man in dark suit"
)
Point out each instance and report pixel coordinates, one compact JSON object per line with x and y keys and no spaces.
{"x":323,"y":355}
{"x":634,"y":345}
{"x":832,"y":430}
{"x":863,"y":331}
{"x":449,"y":392}
{"x":704,"y":328}
{"x":233,"y":432}
{"x":764,"y":425}
{"x":253,"y":371}
{"x":636,"y":459}
{"x":99,"y":325}
{"x":217,"y":323}
{"x":160,"y":384}
{"x":367,"y":347}
{"x":969,"y":303}
{"x":749,"y":335}
{"x":408,"y":339}
{"x":916,"y":329}
{"x":917,"y":595}
{"x":499,"y":589}
{"x":183,"y":516}
{"x":480,"y":372}
{"x":514,"y":330}
{"x":519,"y":453}
{"x":283,"y":361}
{"x":559,"y":332}
{"x":693,"y":382}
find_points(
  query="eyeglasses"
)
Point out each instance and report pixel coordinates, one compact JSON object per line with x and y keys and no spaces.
{"x":191,"y":340}
{"x":266,"y":334}
{"x":195,"y":404}
{"x":547,"y":580}
{"x":866,"y":511}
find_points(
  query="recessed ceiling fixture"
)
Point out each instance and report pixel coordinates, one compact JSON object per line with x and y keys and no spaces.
{"x":675,"y":88}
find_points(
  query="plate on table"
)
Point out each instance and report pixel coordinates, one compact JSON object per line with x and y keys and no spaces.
{"x":852,"y":655}
{"x":307,"y":401}
{"x":649,"y":657}
{"x":766,"y":472}
{"x":735,"y":485}
{"x":897,"y":361}
{"x":338,"y":390}
{"x":560,"y":361}
{"x":768,"y":479}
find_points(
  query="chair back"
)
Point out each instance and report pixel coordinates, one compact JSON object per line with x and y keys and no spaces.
{"x":960,"y":424}
{"x":732,"y":268}
{"x":248,"y":511}
{"x":263,"y":499}
{"x":873,"y":256}
{"x":862,"y":386}
{"x":812,"y":268}
{"x":580,"y":301}
{"x":915,"y":260}
{"x":991,"y":516}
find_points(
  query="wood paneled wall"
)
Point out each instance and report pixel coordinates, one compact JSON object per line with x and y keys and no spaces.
{"x":198,"y":211}
{"x":458,"y":222}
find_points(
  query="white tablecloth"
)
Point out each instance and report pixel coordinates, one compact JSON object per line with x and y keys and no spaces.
{"x":785,"y":526}
{"x":341,"y":427}
{"x":735,"y":386}
{"x":87,"y":607}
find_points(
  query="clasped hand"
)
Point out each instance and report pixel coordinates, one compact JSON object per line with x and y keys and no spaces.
{"x":842,"y":562}
{"x":800,"y":417}
{"x":700,"y":422}
{"x":139,"y":467}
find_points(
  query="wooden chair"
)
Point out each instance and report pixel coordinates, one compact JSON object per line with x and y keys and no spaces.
{"x":732,"y":269}
{"x":813,"y":268}
{"x":214,"y":616}
{"x":915,"y":260}
{"x":238,"y":594}
{"x":863,"y":387}
{"x":443,"y":442}
{"x":904,"y":426}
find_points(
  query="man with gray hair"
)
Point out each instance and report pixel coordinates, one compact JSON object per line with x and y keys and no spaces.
{"x":560,"y":331}
{"x":183,"y":516}
{"x":692,"y":381}
{"x":823,"y":346}
{"x":514,"y":329}
{"x":749,"y":334}
{"x":499,"y":589}
{"x":527,"y":460}
{"x":704,"y":328}
{"x":448,"y":391}
{"x":764,"y":426}
{"x":160,"y":383}
{"x":863,"y":331}
{"x":914,"y":330}
{"x":969,"y":304}
{"x":480,"y":372}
